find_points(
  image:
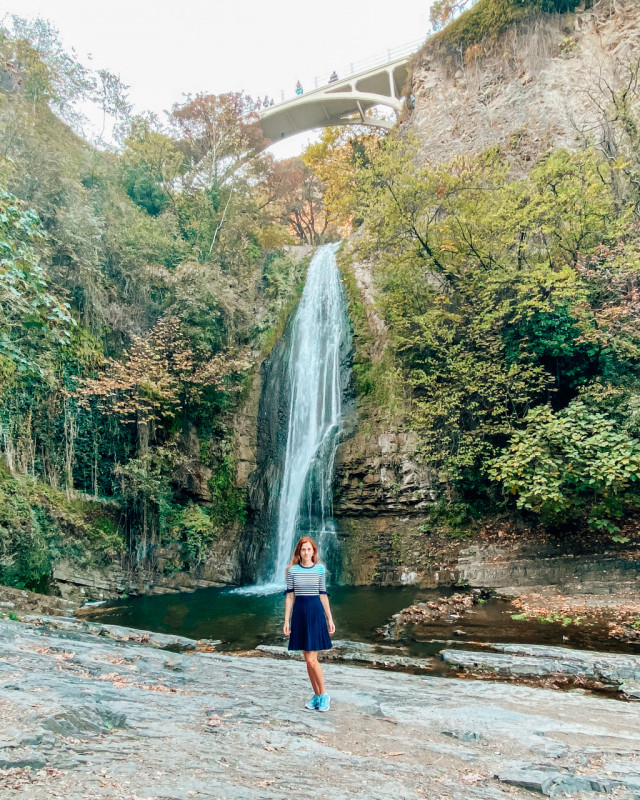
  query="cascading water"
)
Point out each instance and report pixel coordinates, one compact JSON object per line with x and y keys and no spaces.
{"x":319,"y":328}
{"x":300,"y":500}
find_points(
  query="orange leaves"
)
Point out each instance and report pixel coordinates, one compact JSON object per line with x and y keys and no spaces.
{"x":124,"y":682}
{"x":443,"y":11}
{"x":215,"y":133}
{"x":160,"y":374}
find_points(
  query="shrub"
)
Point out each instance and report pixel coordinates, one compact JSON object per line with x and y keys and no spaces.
{"x":565,"y":464}
{"x":489,"y":18}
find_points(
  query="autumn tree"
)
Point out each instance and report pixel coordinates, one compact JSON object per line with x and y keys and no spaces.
{"x":335,"y":160}
{"x":443,"y":11}
{"x":294,"y":195}
{"x":215,"y":134}
{"x":160,"y":376}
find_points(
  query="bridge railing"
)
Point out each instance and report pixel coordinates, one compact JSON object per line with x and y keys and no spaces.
{"x":310,"y":83}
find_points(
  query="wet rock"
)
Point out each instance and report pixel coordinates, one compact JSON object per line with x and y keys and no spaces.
{"x":375,"y":468}
{"x":450,"y":608}
{"x":609,"y":669}
{"x":551,"y":782}
{"x":355,"y":655}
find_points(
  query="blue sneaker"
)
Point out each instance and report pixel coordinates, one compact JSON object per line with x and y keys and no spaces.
{"x":313,"y":703}
{"x":324,"y":702}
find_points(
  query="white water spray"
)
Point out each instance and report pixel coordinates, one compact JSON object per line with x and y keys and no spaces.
{"x":304,"y":497}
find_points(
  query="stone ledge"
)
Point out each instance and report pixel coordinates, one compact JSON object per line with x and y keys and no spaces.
{"x":608,"y":670}
{"x":356,"y":653}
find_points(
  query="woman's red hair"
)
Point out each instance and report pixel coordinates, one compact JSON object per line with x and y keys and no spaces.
{"x":296,"y":557}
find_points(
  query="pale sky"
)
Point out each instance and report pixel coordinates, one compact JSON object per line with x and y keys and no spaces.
{"x":164,"y":50}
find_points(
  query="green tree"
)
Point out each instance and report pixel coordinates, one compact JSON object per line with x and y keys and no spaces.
{"x":494,"y":290}
{"x":30,"y":314}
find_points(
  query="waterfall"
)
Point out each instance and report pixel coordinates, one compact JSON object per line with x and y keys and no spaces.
{"x":309,"y":390}
{"x":319,"y":328}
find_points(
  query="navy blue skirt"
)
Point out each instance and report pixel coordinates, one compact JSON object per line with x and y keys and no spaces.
{"x":309,"y":625}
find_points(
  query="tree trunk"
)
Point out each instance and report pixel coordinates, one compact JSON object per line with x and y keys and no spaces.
{"x":143,"y":437}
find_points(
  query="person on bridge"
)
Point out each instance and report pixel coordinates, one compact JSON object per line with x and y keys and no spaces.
{"x":307,"y":615}
{"x":334,"y":77}
{"x":298,"y":88}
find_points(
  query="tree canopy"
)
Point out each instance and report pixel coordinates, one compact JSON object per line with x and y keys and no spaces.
{"x":130,"y":275}
{"x":511,"y":297}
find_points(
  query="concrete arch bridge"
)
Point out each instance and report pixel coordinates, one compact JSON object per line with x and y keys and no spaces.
{"x":345,"y":100}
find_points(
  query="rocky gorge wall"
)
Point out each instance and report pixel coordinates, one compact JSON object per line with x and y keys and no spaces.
{"x":270,"y":425}
{"x":547,"y":83}
{"x":542,"y":84}
{"x":392,"y":550}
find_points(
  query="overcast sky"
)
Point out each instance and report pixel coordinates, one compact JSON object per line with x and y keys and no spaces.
{"x":165,"y":49}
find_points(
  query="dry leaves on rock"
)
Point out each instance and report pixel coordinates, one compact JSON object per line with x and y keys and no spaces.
{"x":620,"y":612}
{"x":443,"y":607}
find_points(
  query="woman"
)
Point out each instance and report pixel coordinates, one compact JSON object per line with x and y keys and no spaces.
{"x":310,"y":624}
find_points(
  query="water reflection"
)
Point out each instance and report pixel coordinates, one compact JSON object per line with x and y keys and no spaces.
{"x":244,"y":620}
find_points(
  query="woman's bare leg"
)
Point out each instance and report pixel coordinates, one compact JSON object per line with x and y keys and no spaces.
{"x":314,"y":670}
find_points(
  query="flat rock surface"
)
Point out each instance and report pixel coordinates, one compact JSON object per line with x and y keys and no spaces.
{"x":614,"y":670}
{"x":85,"y":717}
{"x":345,"y":652}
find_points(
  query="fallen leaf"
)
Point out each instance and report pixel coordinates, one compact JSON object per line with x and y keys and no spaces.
{"x":474,"y":777}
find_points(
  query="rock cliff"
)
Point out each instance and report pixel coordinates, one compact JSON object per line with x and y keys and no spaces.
{"x":545,"y":83}
{"x":541,"y":84}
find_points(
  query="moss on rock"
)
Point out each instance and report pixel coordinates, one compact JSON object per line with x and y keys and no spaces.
{"x":487,"y":19}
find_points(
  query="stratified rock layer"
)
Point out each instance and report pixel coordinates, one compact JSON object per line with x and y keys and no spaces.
{"x":617,"y":671}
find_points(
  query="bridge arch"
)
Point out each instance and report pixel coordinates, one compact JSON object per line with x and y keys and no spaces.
{"x":343,"y":102}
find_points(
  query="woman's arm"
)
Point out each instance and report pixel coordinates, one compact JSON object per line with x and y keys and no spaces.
{"x":324,"y":599}
{"x":288,"y":607}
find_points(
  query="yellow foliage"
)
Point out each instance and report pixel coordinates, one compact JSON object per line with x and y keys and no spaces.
{"x":335,"y":159}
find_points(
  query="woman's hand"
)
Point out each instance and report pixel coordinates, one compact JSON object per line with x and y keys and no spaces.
{"x":286,"y":629}
{"x":331,"y":625}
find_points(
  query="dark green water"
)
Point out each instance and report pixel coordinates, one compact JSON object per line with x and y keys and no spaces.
{"x":244,"y":621}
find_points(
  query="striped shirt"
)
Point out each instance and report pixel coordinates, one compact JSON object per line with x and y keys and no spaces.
{"x":306,"y":581}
